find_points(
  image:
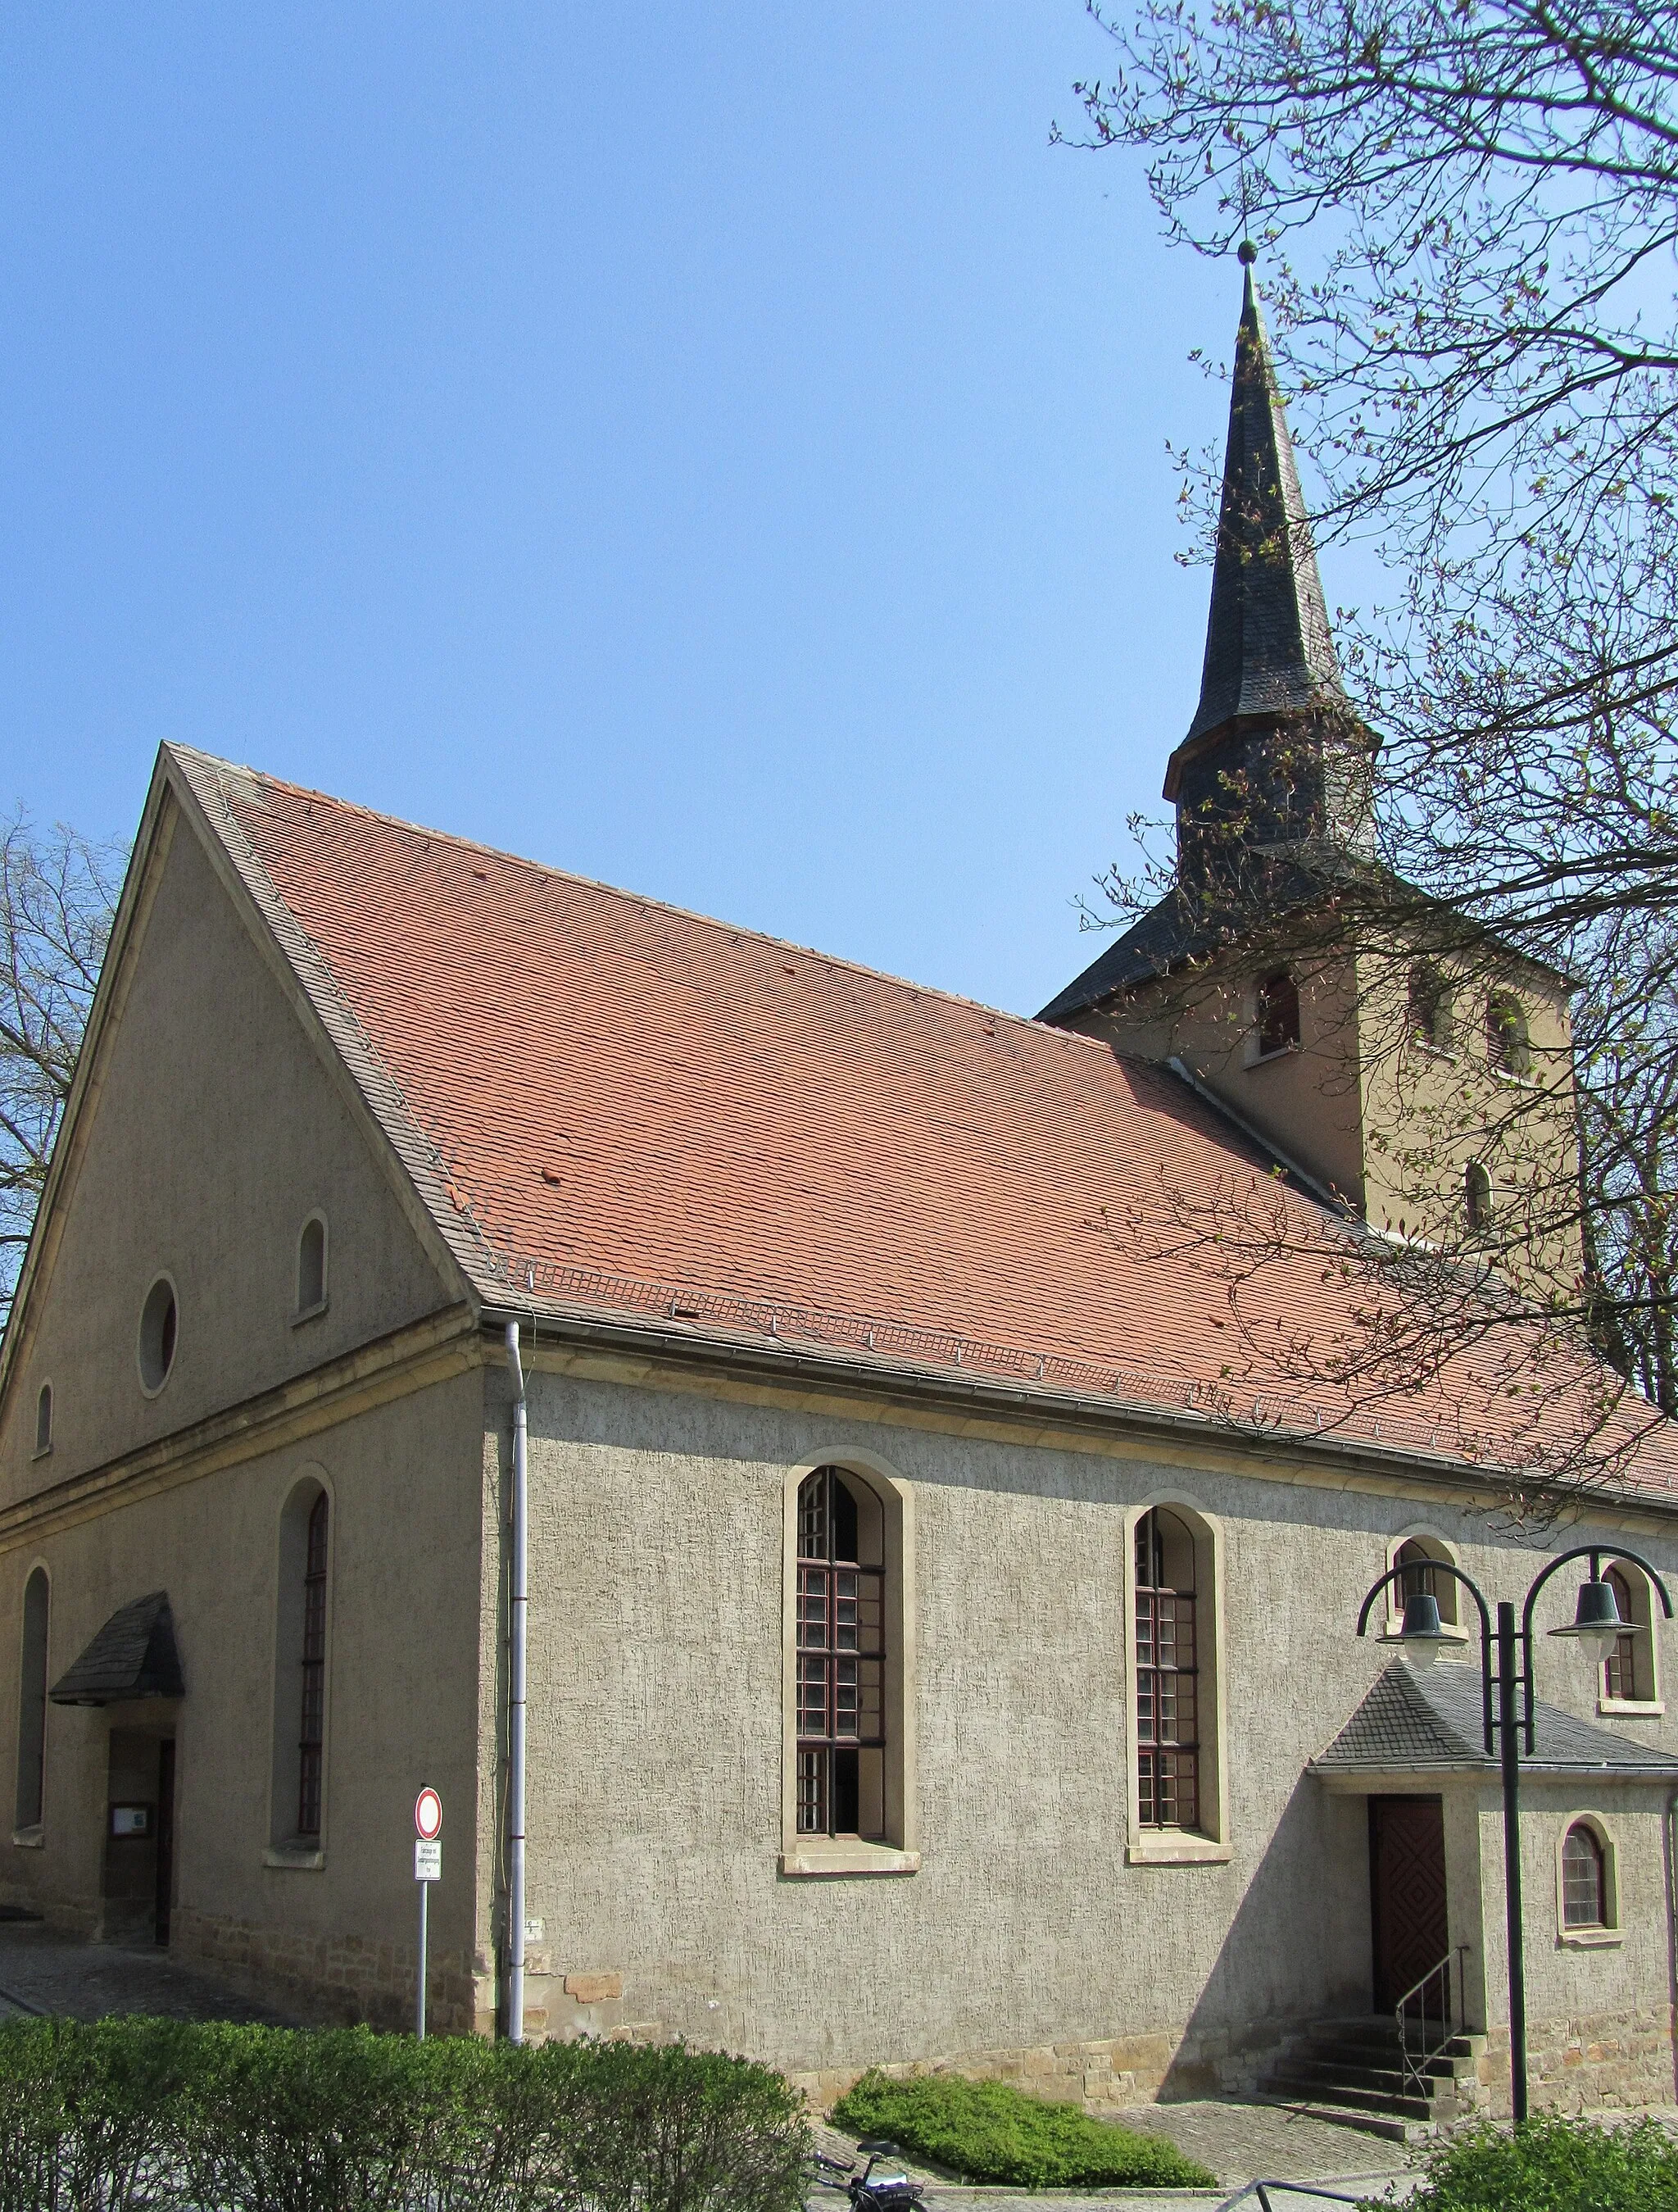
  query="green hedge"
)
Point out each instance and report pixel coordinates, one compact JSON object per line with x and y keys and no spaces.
{"x":987,"y":2131}
{"x":160,"y":2115}
{"x":1551,"y":2164}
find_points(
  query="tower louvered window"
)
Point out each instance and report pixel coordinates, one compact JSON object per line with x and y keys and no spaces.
{"x":310,"y":1734}
{"x":1168,"y":1675}
{"x":841,"y":1647}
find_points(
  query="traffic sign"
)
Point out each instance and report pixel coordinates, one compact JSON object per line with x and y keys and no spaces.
{"x":428,"y":1814}
{"x":427,"y":1859}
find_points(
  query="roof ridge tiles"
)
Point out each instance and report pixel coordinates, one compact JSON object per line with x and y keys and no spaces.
{"x":549,"y":873}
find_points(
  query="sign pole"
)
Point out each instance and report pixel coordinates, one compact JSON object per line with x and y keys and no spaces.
{"x":427,"y":1869}
{"x":424,"y":1889}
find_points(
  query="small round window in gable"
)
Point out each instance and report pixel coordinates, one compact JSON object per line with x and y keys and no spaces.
{"x":158,"y":1324}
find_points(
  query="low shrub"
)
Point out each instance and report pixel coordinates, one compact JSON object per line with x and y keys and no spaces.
{"x":1553,"y":2165}
{"x":163,"y":2116}
{"x":988,"y":2131}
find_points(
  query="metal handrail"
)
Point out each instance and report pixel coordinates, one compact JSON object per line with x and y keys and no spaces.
{"x":1261,"y":2189}
{"x":1414,"y":2071}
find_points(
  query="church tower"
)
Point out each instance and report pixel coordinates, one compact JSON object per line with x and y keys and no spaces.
{"x":1366,"y":1057}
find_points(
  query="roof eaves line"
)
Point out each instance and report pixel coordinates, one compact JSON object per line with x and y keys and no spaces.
{"x":623,"y":1333}
{"x":377,"y":1083}
{"x":213,"y":761}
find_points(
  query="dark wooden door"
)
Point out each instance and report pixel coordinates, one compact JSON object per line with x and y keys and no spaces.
{"x":166,"y":1835}
{"x":1406,"y":1893}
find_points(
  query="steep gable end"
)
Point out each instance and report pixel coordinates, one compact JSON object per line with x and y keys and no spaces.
{"x":207,"y":1127}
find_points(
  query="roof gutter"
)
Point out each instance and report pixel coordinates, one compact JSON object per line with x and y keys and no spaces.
{"x":1042,"y":1402}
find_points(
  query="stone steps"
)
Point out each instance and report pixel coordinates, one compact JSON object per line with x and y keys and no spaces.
{"x":1354,"y":2072}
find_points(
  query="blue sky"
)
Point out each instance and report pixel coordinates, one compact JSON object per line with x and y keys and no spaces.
{"x":718,"y":451}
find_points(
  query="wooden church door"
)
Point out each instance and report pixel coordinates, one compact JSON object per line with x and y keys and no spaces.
{"x":1407,"y":1892}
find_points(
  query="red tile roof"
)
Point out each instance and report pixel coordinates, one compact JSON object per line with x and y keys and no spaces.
{"x":636,"y":1109}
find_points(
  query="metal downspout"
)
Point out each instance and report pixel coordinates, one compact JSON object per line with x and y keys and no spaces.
{"x":519,"y":1609}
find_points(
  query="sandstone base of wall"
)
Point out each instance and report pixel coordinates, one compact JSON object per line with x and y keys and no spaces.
{"x":1601,"y":2061}
{"x":1104,"y":2075}
{"x":339,"y":1979}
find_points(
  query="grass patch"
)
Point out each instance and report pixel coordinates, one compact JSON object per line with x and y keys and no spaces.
{"x":1553,"y":2165}
{"x":988,"y":2131}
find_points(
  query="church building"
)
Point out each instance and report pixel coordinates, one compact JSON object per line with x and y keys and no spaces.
{"x":921,"y":1651}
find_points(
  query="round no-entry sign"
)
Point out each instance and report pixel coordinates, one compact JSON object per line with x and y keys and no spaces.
{"x":427,"y":1814}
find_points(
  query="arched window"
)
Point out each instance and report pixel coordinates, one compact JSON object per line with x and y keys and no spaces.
{"x":1429,"y":1007}
{"x":1167,"y":1674}
{"x":311,"y":1725}
{"x":1277,"y":1008}
{"x":842,"y":1656}
{"x":1477,"y":1195}
{"x":1584,"y":1889}
{"x":1628,"y":1672}
{"x":1507,"y":1048}
{"x":1420,"y":1556}
{"x":300,"y":1660}
{"x":311,"y":1267}
{"x":32,"y":1705}
{"x":43,"y":1419}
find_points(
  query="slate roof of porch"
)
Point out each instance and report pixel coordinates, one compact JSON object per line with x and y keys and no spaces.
{"x":1429,"y":1721}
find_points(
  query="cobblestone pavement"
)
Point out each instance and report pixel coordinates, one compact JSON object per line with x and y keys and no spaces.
{"x":41,"y":1972}
{"x":1240,"y":2142}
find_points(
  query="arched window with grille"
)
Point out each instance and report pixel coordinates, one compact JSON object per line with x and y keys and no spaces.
{"x":1586,"y":1901}
{"x":1168,"y":1701}
{"x":1629,"y":1670}
{"x":311,"y":1723}
{"x":32,"y":1705}
{"x":848,"y":1782}
{"x":1421,"y":1556}
{"x":301,"y":1663}
{"x":842,"y":1652}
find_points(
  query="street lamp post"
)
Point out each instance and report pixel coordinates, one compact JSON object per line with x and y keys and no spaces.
{"x":1597,"y":1625}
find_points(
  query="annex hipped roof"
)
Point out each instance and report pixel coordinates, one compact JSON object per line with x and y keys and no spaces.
{"x":1432,"y":1721}
{"x":609,"y":1106}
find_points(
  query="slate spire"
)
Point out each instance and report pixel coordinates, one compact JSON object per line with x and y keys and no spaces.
{"x":1269,"y":651}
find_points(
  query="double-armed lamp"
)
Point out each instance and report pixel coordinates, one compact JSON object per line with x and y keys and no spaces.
{"x":1596,"y":1624}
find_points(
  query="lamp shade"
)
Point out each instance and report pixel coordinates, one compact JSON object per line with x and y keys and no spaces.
{"x":1423,"y":1632}
{"x":1597,"y":1623}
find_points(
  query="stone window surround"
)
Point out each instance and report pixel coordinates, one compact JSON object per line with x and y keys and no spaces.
{"x":284,"y":1848}
{"x":1651,"y":1708}
{"x":1610,"y":1933}
{"x":44,"y":1446}
{"x":1211,"y":1845}
{"x":829,"y":1855}
{"x":1424,"y":1532}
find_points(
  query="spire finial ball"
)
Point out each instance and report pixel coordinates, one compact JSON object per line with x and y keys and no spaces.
{"x":1246,"y":254}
